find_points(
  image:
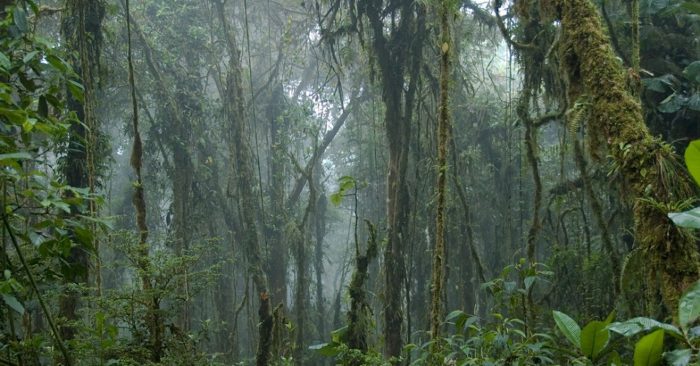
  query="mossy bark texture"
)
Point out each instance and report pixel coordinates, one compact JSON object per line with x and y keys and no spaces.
{"x":654,"y":181}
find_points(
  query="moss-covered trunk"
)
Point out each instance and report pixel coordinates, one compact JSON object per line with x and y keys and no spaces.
{"x":439,"y":251}
{"x":82,"y":29}
{"x":654,"y":181}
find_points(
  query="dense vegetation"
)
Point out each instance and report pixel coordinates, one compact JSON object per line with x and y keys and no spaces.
{"x":353,"y":182}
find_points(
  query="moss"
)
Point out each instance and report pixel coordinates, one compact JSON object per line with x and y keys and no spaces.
{"x":649,"y":168}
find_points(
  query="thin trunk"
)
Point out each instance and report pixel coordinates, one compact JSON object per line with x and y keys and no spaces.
{"x":320,"y":224}
{"x":439,"y":252}
{"x":153,"y":321}
{"x":278,"y":148}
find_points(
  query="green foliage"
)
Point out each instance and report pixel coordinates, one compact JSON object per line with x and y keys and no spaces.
{"x":344,"y":355}
{"x":34,"y":124}
{"x":568,"y":327}
{"x":690,"y":218}
{"x":120,"y":333}
{"x":498,"y":341}
{"x":345,"y":185}
{"x":689,"y":307}
{"x":648,"y":351}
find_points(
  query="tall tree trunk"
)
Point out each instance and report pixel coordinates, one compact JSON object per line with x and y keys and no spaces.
{"x":439,"y":251}
{"x":82,"y":29}
{"x":153,"y":317}
{"x":278,"y":261}
{"x":320,"y":226}
{"x":397,"y":53}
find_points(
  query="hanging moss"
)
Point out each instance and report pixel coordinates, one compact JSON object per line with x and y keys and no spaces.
{"x":652,"y":177}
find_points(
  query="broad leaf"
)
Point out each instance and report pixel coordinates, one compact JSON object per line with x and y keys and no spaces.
{"x":679,"y":357}
{"x":13,"y":303}
{"x":634,"y":326}
{"x":688,"y":219}
{"x":672,"y":104}
{"x":648,"y":351}
{"x":20,"y":19}
{"x":692,"y":159}
{"x":594,"y":338}
{"x":692,"y":71}
{"x":689,"y":306}
{"x":568,"y":327}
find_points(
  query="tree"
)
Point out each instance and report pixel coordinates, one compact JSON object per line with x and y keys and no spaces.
{"x":654,"y":182}
{"x":82,"y":29}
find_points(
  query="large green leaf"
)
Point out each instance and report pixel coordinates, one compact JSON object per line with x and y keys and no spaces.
{"x":594,"y":338}
{"x":689,"y":306}
{"x":692,"y":159}
{"x":688,"y":219}
{"x":638,"y":325}
{"x":568,"y":327}
{"x":648,"y":351}
{"x":692,"y":71}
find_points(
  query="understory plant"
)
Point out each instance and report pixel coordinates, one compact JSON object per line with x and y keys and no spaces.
{"x":603,"y":342}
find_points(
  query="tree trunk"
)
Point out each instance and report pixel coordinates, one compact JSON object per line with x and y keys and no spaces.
{"x":654,"y":180}
{"x":81,"y":27}
{"x":439,"y":252}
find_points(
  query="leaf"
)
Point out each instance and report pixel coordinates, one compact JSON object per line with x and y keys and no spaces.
{"x":692,"y":71}
{"x":455,"y":314}
{"x":692,"y":159}
{"x":680,"y":357}
{"x":648,"y":351}
{"x":20,"y":19}
{"x":694,"y":102}
{"x":28,"y":57}
{"x":345,"y":184}
{"x":594,"y":337}
{"x":568,"y":327}
{"x":13,"y":303}
{"x":660,"y":84}
{"x":15,"y":156}
{"x":5,"y":62}
{"x":58,"y":63}
{"x":688,"y":219}
{"x":689,"y":306}
{"x":638,"y":325}
{"x":76,"y":89}
{"x":672,"y":104}
{"x":326,"y":349}
{"x":529,"y":281}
